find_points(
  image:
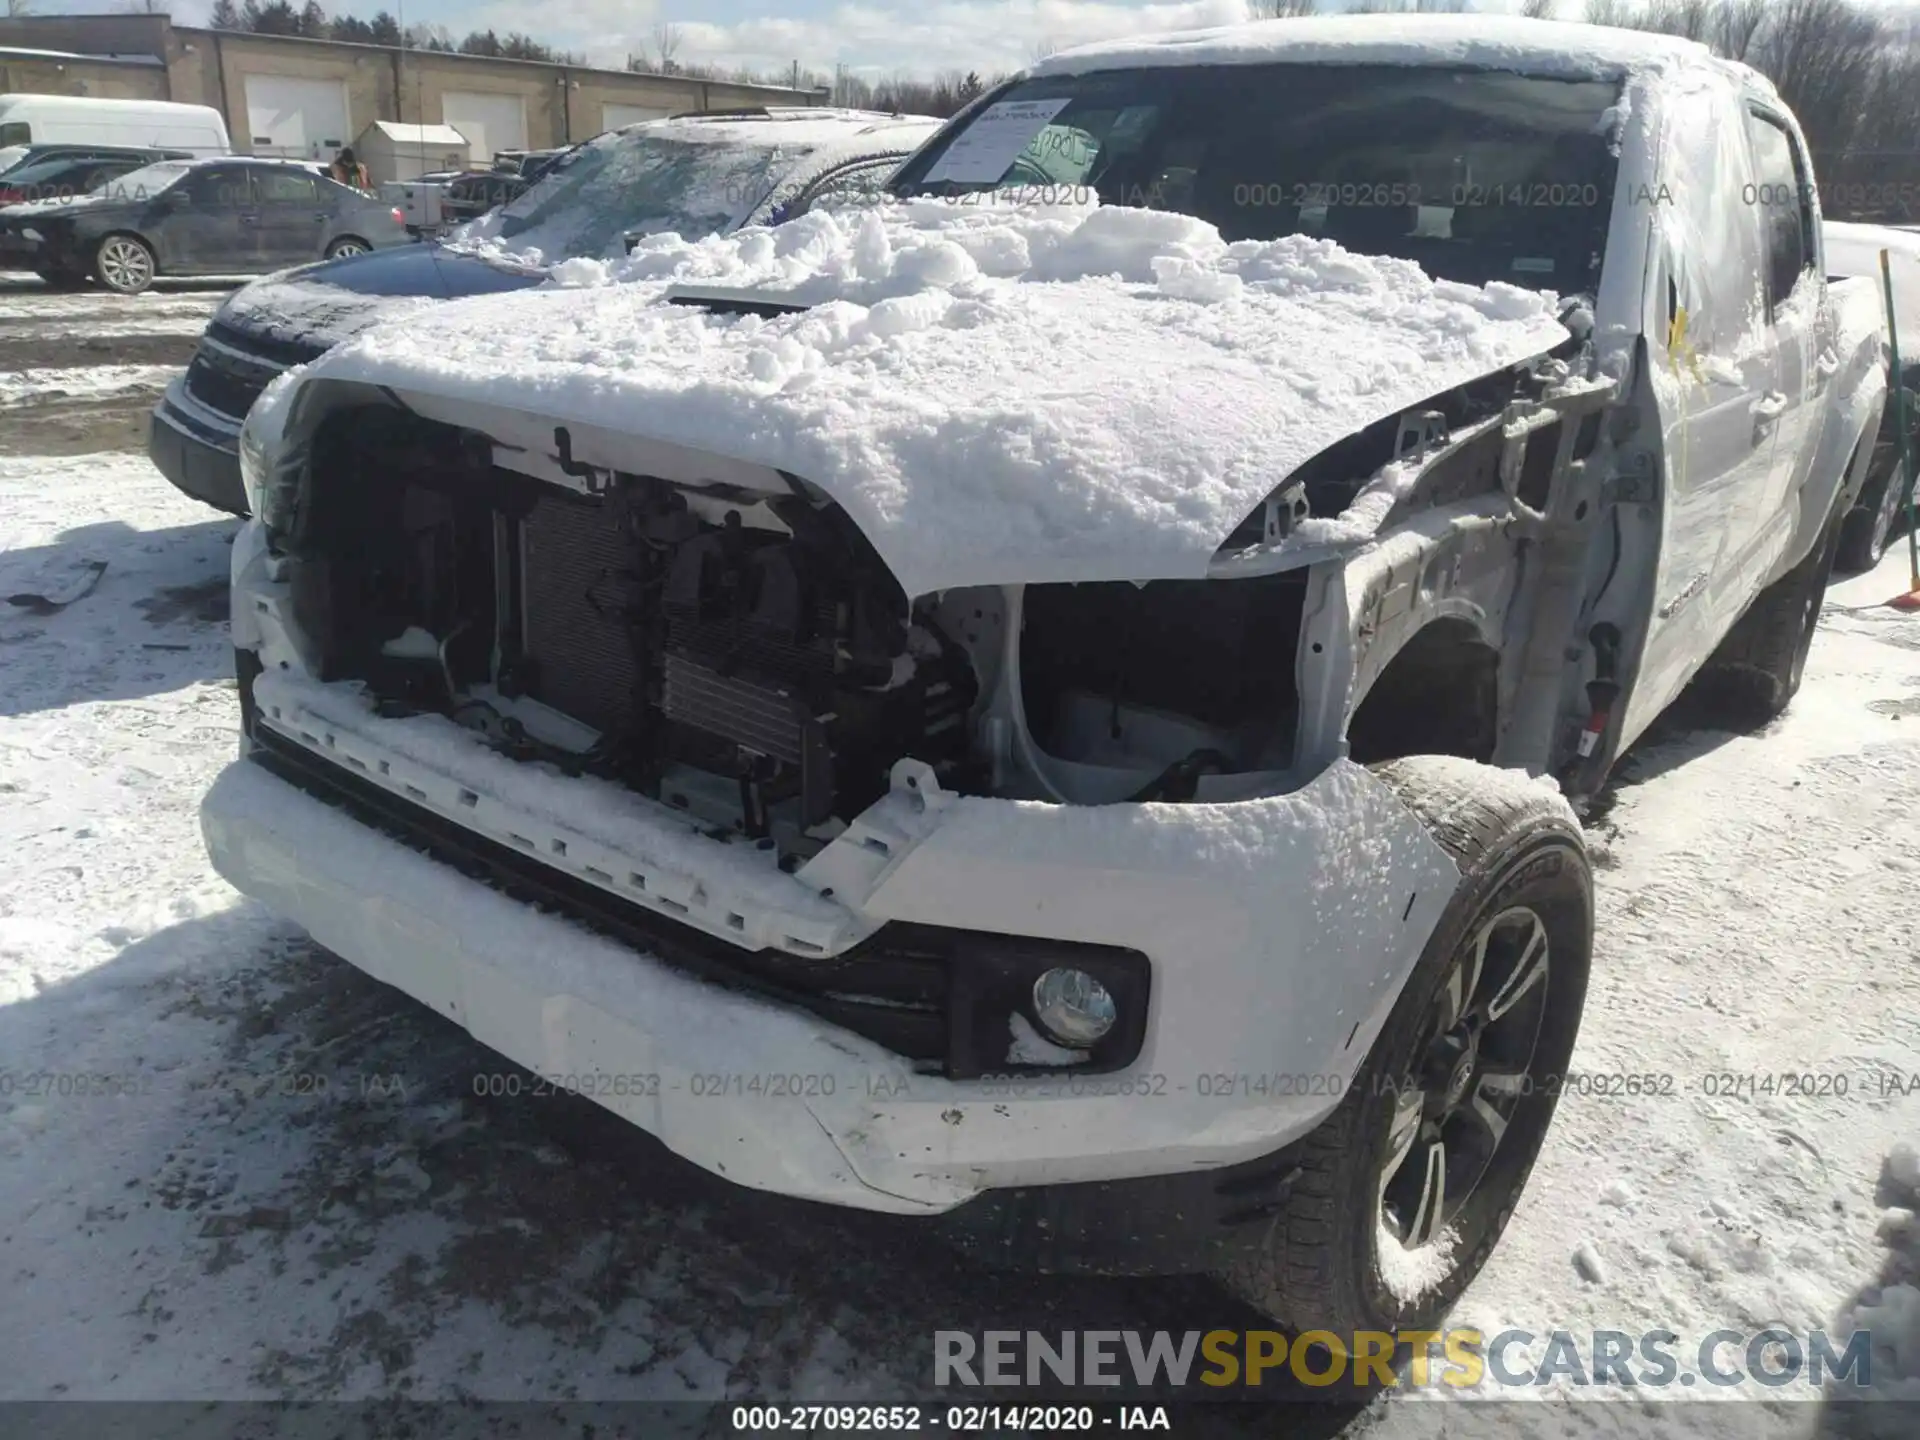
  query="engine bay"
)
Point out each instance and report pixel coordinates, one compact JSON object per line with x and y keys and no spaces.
{"x":745,"y":656}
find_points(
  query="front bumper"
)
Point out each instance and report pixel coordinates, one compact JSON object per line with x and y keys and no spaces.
{"x":192,"y":448}
{"x":1279,"y":930}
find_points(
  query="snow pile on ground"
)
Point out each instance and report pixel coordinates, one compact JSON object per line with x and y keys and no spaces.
{"x":995,"y":394}
{"x":1890,"y":1309}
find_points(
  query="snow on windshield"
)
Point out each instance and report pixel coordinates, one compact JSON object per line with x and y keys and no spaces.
{"x":994,"y":393}
{"x":634,"y":181}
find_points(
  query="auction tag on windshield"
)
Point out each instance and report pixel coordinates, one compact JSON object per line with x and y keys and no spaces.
{"x":983,"y":151}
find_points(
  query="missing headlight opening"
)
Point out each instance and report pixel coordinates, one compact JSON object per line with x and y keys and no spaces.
{"x":1176,"y":679}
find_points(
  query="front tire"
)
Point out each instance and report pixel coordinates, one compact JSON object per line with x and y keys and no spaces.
{"x":347,"y":245}
{"x":1462,"y":1077}
{"x":124,"y":264}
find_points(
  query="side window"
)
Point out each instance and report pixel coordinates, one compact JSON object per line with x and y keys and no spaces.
{"x":1710,"y":236}
{"x":332,"y":194}
{"x":1780,"y":194}
{"x":862,"y":183}
{"x":221,"y":187}
{"x":284,"y":187}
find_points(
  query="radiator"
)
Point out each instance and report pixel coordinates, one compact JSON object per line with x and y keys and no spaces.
{"x":576,"y":582}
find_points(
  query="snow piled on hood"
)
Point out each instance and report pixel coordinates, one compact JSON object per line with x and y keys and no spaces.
{"x":995,"y":393}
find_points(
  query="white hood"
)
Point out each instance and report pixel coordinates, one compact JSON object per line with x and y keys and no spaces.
{"x":995,"y":395}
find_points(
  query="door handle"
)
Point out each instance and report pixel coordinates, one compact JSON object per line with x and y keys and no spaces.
{"x":319,"y":215}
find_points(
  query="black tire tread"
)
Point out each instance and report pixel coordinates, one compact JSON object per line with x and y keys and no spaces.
{"x":1755,"y":673}
{"x":1293,"y":1276}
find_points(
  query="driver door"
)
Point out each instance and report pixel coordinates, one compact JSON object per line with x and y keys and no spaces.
{"x":1719,"y":397}
{"x":209,"y":222}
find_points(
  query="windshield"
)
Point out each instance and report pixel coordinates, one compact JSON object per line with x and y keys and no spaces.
{"x":633,"y":182}
{"x":144,"y":183}
{"x":1474,"y":175}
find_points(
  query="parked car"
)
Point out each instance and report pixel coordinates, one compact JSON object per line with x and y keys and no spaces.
{"x":696,"y":175}
{"x":39,"y":154}
{"x":1878,"y":510}
{"x":1052,"y":726}
{"x":224,"y":216}
{"x":63,"y":177}
{"x":472,"y":193}
{"x":28,"y":120}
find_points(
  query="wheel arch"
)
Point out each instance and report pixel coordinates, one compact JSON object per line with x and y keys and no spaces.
{"x":1437,"y":694}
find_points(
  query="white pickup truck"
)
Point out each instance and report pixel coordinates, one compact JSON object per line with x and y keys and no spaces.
{"x":1046,"y":704}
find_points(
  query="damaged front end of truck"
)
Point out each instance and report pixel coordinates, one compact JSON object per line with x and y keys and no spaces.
{"x":682,"y":699}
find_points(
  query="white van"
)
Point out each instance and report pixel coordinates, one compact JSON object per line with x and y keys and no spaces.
{"x":80,"y":120}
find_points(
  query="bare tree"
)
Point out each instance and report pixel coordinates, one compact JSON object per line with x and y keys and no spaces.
{"x":1537,"y":9}
{"x":1282,"y":9}
{"x":1689,"y":19}
{"x":1608,"y":12}
{"x":17,"y":9}
{"x":1441,"y":7}
{"x":1041,"y":48}
{"x":667,"y":40}
{"x":1736,"y":25}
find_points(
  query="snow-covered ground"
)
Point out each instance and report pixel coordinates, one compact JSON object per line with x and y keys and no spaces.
{"x":172,"y":307}
{"x":81,"y":382}
{"x":232,"y":1166}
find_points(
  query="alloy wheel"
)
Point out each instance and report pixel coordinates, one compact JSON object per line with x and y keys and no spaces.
{"x":126,"y":265}
{"x":347,"y":247}
{"x":1468,"y":1077}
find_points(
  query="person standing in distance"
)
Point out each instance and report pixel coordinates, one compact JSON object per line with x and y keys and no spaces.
{"x":349,"y":171}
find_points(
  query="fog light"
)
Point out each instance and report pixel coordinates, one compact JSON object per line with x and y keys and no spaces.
{"x":1074,"y":1007}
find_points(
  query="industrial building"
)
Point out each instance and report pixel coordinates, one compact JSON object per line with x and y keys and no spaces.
{"x":300,"y":98}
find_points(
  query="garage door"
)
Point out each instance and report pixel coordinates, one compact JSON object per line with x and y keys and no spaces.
{"x":612,"y":117}
{"x":298,"y":118}
{"x":490,"y":122}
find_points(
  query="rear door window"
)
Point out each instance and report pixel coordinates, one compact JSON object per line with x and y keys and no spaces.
{"x":1780,"y":196}
{"x":285,"y":187}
